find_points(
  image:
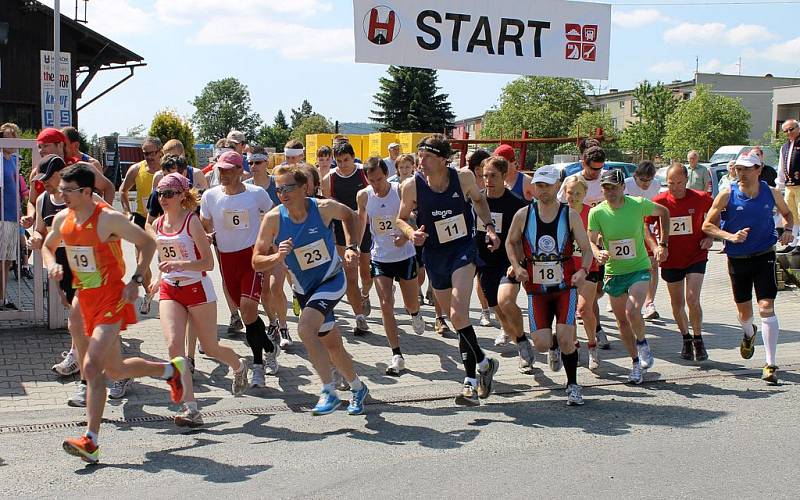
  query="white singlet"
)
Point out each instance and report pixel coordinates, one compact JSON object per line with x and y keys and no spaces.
{"x":382,"y":213}
{"x":177,"y":246}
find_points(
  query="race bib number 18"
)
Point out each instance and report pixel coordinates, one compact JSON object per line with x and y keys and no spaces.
{"x":451,"y":228}
{"x":81,"y":259}
{"x":547,"y":273}
{"x":312,"y":255}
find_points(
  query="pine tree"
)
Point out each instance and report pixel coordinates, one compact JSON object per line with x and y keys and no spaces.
{"x":298,"y":115}
{"x":409,"y":100}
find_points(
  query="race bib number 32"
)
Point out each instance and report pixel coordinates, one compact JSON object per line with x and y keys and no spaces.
{"x":451,"y":228}
{"x":236,"y":219}
{"x":312,"y":255}
{"x":383,"y":226}
{"x":680,"y":226}
{"x":81,"y":259}
{"x":622,"y":249}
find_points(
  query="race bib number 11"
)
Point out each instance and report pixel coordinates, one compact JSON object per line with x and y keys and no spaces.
{"x":450,"y":229}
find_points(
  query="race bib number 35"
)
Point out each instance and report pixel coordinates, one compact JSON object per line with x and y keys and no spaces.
{"x":236,"y":219}
{"x":81,"y":259}
{"x":383,"y":226}
{"x":172,"y":250}
{"x":622,"y":249}
{"x":547,"y":273}
{"x":680,"y":226}
{"x":451,"y":228}
{"x":312,"y":255}
{"x":497,"y":219}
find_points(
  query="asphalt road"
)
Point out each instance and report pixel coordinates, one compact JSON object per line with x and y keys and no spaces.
{"x":717,"y":437}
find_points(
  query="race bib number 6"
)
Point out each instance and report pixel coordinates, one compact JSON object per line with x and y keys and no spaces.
{"x":451,"y":228}
{"x":81,"y":259}
{"x":547,"y":273}
{"x":312,"y":255}
{"x":680,"y":226}
{"x":236,"y":219}
{"x":622,"y":249}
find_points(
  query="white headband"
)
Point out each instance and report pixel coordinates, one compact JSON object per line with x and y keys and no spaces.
{"x":293,"y":152}
{"x":257,"y":157}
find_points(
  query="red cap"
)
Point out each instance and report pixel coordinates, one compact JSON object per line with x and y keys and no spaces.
{"x":229,"y":159}
{"x":506,"y":152}
{"x":51,"y":136}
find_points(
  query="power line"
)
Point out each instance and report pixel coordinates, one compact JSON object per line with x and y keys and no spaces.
{"x":693,"y":4}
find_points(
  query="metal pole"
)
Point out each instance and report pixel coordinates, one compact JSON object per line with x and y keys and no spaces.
{"x":57,"y":58}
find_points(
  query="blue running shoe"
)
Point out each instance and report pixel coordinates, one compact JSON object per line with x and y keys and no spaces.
{"x":356,"y":406}
{"x":328,"y":403}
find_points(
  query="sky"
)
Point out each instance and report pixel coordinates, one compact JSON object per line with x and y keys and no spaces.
{"x":289,"y":50}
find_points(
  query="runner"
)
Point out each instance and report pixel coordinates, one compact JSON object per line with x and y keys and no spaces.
{"x":140,"y":176}
{"x":406,"y":164}
{"x":393,"y":257}
{"x":186,"y":294}
{"x":230,"y":212}
{"x":542,"y":237}
{"x":493,"y":265}
{"x":324,"y":161}
{"x":441,"y":196}
{"x":516,"y":181}
{"x":301,"y":229}
{"x":685,"y":266}
{"x":92,"y":234}
{"x":748,"y":229}
{"x":342,"y":185}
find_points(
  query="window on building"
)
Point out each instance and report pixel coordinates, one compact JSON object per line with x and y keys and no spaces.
{"x":614,"y":123}
{"x":621,"y":104}
{"x":634,"y":106}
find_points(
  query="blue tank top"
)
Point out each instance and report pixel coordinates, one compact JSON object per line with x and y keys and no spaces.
{"x":518,"y":188}
{"x":273,"y":195}
{"x":755,"y":213}
{"x":548,"y":242}
{"x":313,"y":260}
{"x":447,"y":216}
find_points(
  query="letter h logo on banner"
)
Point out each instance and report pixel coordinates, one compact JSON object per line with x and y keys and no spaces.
{"x":381,"y":25}
{"x":581,"y":41}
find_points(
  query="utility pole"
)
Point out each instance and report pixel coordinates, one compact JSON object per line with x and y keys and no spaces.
{"x":57,"y":62}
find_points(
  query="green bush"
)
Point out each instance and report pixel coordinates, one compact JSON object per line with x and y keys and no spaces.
{"x":167,"y":124}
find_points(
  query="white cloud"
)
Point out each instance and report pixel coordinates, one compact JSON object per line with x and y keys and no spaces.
{"x":785,"y":52}
{"x":672,"y":68}
{"x":186,"y":11}
{"x":637,"y":18}
{"x":110,"y":17}
{"x":717,"y":33}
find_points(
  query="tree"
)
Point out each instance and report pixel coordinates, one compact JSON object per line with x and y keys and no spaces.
{"x":704,"y":123}
{"x":167,"y":124}
{"x":409,"y":100}
{"x":314,"y":124}
{"x":275,"y":135}
{"x":585,"y":125}
{"x":653,"y":105}
{"x":298,"y":115}
{"x":280,"y":120}
{"x":222,"y":106}
{"x":544,"y":106}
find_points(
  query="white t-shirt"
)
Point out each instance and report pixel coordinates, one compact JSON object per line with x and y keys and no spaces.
{"x":236,"y":219}
{"x":633,"y":189}
{"x":391,"y":165}
{"x":594,"y":195}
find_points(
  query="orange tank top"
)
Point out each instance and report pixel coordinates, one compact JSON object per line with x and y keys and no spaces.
{"x":94,"y":263}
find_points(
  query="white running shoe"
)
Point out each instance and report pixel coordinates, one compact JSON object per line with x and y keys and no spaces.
{"x":398,"y":365}
{"x":594,"y":359}
{"x":147,"y":300}
{"x":486,"y":318}
{"x":362,"y":328}
{"x":574,"y":396}
{"x":646,"y":358}
{"x":501,"y":339}
{"x":286,"y":339}
{"x":527,"y":358}
{"x":69,"y":365}
{"x":235,"y":324}
{"x":271,"y":362}
{"x":188,"y":418}
{"x":119,"y":388}
{"x":418,"y":323}
{"x":554,"y":359}
{"x":258,"y":376}
{"x":602,"y":339}
{"x":636,"y":376}
{"x":650,"y":312}
{"x":78,"y":400}
{"x":240,"y":379}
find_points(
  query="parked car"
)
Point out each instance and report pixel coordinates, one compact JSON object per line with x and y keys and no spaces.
{"x":574,"y":168}
{"x":717,"y":173}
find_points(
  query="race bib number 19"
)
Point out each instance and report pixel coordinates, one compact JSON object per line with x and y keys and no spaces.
{"x":312,"y":255}
{"x":236,"y":219}
{"x":451,"y":228}
{"x":81,"y":259}
{"x":622,"y":249}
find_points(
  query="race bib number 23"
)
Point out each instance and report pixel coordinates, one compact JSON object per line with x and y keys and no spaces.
{"x":312,"y":255}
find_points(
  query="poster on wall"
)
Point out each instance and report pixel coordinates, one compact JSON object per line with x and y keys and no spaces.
{"x":49,"y":87}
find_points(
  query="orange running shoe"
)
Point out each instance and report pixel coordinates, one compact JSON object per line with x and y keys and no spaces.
{"x":83,"y":448}
{"x":175,"y":382}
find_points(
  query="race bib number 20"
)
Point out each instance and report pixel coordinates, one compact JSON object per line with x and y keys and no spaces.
{"x":622,"y":249}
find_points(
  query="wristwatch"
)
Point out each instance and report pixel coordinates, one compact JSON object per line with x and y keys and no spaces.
{"x":353,"y":247}
{"x":138,"y":279}
{"x":491,"y":224}
{"x":662,"y":244}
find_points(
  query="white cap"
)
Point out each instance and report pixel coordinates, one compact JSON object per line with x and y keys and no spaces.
{"x":394,"y":145}
{"x":748,"y":160}
{"x":548,"y":174}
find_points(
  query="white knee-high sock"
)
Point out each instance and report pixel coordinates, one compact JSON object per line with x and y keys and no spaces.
{"x":769,"y":334}
{"x":747,"y":326}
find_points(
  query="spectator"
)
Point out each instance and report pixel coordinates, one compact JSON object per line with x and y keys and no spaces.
{"x":394,"y":153}
{"x":699,"y":176}
{"x":239,"y":144}
{"x":729,"y":178}
{"x":10,"y":200}
{"x":768,"y":174}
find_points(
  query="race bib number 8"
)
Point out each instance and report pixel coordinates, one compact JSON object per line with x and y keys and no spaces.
{"x":451,"y":228}
{"x":236,"y":219}
{"x":312,"y":255}
{"x":680,"y":226}
{"x":81,"y":259}
{"x":383,"y":226}
{"x":547,"y":273}
{"x":172,"y":250}
{"x":497,"y":219}
{"x":622,"y":249}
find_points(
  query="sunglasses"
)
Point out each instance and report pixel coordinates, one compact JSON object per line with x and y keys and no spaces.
{"x":150,"y":153}
{"x":167,"y":194}
{"x":286,"y":188}
{"x":260,"y":162}
{"x":645,"y":179}
{"x":69,"y":190}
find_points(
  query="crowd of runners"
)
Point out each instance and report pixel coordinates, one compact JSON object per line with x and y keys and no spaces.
{"x":339,"y":227}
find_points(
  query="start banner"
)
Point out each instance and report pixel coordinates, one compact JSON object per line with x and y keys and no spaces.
{"x":523,"y":37}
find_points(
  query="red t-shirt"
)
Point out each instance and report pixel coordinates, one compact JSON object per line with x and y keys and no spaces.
{"x":208,"y":168}
{"x":686,"y":218}
{"x":577,"y":251}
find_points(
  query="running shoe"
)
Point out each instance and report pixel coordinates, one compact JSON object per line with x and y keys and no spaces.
{"x":636,"y":376}
{"x":700,"y":353}
{"x":574,"y":396}
{"x":271,"y":362}
{"x":594,"y":359}
{"x":27,"y":272}
{"x":397,"y":365}
{"x":687,"y":351}
{"x":258,"y":376}
{"x":526,"y":357}
{"x":69,"y":365}
{"x":602,"y":339}
{"x":235,"y":324}
{"x":362,"y":328}
{"x":175,"y":382}
{"x":272,"y":332}
{"x":10,"y":306}
{"x":339,"y":381}
{"x":296,"y":307}
{"x":501,"y":339}
{"x":770,"y":374}
{"x":468,"y":396}
{"x":554,"y":359}
{"x":240,"y":379}
{"x":486,"y":378}
{"x":440,"y":326}
{"x":646,"y":358}
{"x":78,"y":400}
{"x":119,"y":388}
{"x":650,"y":312}
{"x":786,"y":249}
{"x":147,"y":300}
{"x":328,"y":403}
{"x":486,"y":318}
{"x":188,"y":418}
{"x":286,"y":339}
{"x":83,"y":448}
{"x":366,"y":306}
{"x":748,"y":345}
{"x":418,"y":324}
{"x":356,"y":406}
